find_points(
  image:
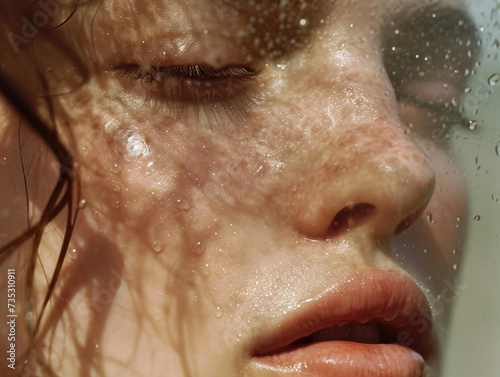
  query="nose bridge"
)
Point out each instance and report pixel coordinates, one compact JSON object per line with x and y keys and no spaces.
{"x":365,"y":159}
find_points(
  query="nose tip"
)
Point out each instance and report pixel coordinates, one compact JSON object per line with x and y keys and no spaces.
{"x":384,"y":188}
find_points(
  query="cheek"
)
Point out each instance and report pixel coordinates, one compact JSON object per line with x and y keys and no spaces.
{"x":168,"y":175}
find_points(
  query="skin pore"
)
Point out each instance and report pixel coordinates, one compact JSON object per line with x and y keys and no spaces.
{"x":235,"y":159}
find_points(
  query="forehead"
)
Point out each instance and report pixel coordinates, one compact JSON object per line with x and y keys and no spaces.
{"x":158,"y":22}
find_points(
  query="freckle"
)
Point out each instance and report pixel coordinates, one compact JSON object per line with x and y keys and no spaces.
{"x":115,"y":186}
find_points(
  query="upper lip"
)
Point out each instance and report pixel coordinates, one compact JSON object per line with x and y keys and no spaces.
{"x":388,"y":299}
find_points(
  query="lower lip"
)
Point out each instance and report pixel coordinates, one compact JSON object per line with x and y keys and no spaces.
{"x":345,"y":359}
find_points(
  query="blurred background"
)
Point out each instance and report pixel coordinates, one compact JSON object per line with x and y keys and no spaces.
{"x":473,"y":348}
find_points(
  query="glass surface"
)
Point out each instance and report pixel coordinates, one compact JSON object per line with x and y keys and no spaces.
{"x":250,"y":188}
{"x":474,"y":345}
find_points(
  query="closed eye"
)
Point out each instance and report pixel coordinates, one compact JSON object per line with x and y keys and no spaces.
{"x":191,"y":83}
{"x":197,"y":93}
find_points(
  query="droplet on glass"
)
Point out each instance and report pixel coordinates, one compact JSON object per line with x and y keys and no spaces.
{"x":183,"y":205}
{"x":455,"y":266}
{"x":468,"y":89}
{"x":158,"y":246}
{"x":497,"y":150}
{"x":218,"y":312}
{"x":82,"y":204}
{"x":472,"y":125}
{"x":494,"y":79}
{"x":199,"y":249}
{"x":115,"y":204}
{"x":477,"y":218}
{"x":116,"y":168}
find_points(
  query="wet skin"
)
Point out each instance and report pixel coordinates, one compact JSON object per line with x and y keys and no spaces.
{"x":216,"y":206}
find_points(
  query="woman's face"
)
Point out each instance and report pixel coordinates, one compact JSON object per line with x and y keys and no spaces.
{"x":256,"y":176}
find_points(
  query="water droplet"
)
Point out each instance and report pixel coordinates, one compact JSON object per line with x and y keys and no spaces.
{"x":97,"y":348}
{"x":3,"y":161}
{"x":454,"y":102}
{"x":472,"y":125}
{"x":459,"y":219}
{"x":218,"y":312}
{"x":468,"y":89}
{"x":454,"y":251}
{"x":430,"y":218}
{"x":199,"y":249}
{"x":157,"y":315}
{"x":82,"y":204}
{"x":497,"y":150}
{"x":158,"y":246}
{"x":115,"y":204}
{"x":425,"y":251}
{"x":455,"y":266}
{"x":494,"y":79}
{"x":72,"y":254}
{"x":116,"y":168}
{"x":183,"y":205}
{"x":477,"y":218}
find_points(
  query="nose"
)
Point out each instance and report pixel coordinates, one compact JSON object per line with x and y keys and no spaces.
{"x":364,"y":169}
{"x":385,"y":188}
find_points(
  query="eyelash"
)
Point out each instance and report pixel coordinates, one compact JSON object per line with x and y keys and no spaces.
{"x":214,"y":93}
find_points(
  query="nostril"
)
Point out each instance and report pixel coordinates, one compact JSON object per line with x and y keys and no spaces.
{"x":410,"y":220}
{"x":351,"y":216}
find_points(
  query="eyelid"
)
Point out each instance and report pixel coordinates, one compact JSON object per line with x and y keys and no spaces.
{"x":195,"y":83}
{"x":199,"y":72}
{"x":194,"y":92}
{"x":443,"y":109}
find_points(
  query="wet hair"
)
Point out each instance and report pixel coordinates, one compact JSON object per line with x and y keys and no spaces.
{"x":64,"y":198}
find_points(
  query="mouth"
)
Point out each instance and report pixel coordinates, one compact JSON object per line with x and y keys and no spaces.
{"x":369,"y":323}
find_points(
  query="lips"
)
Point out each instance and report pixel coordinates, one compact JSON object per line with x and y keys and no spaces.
{"x":368,"y":323}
